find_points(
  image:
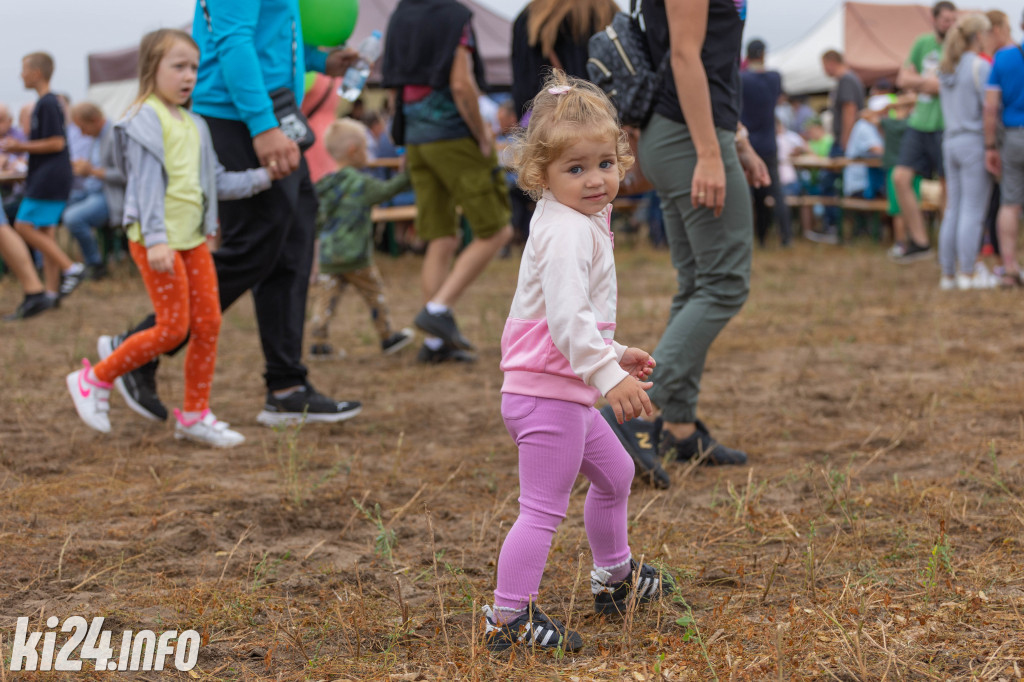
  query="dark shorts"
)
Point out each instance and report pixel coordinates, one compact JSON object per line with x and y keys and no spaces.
{"x":1012,"y":185}
{"x":454,"y":173}
{"x":922,"y":152}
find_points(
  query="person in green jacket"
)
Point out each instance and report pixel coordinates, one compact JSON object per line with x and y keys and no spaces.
{"x":345,"y":231}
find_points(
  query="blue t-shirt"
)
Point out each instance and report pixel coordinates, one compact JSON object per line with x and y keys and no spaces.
{"x":863,"y":138}
{"x":1007,"y":75}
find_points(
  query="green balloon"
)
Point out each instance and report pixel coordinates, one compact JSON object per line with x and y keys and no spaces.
{"x":310,"y":80}
{"x":327,"y":23}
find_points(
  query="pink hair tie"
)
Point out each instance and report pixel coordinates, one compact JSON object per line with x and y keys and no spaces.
{"x":559,"y":89}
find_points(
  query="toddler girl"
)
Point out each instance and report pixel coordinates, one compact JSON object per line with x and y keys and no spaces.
{"x":559,"y":357}
{"x":173,"y":182}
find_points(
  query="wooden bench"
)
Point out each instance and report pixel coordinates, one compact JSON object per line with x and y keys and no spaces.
{"x":393,"y":214}
{"x":876,"y":207}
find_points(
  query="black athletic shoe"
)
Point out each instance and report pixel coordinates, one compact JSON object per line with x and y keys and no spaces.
{"x":306,"y":405}
{"x":138,"y":387}
{"x":443,"y":354}
{"x":30,"y":306}
{"x":615,"y":599}
{"x":640,"y":438}
{"x":914,"y":252}
{"x":397,"y":341}
{"x":442,"y":325}
{"x":97,"y":272}
{"x":532,"y":628}
{"x":699,"y":444}
{"x":69,"y":281}
{"x":321,"y":350}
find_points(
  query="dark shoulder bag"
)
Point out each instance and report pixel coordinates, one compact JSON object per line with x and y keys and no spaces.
{"x":619,"y":63}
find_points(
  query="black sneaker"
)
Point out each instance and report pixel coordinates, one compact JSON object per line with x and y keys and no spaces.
{"x":615,"y":599}
{"x":442,"y":325}
{"x":913,"y":252}
{"x":97,"y":272}
{"x":640,"y":438}
{"x":305,"y":404}
{"x":137,"y":387}
{"x":532,"y":628}
{"x":321,"y":350}
{"x":699,"y":444}
{"x":30,"y":306}
{"x":443,"y":354}
{"x":69,"y":281}
{"x":397,"y":341}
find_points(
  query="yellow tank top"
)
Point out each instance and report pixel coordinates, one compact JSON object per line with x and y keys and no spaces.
{"x":183,"y":202}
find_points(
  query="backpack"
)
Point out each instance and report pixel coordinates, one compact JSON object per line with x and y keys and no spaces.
{"x":620,"y":65}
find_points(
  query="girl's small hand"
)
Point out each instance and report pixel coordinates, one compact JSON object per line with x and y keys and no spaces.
{"x":161,"y":258}
{"x":638,"y":363}
{"x":708,"y":186}
{"x":629,"y":399}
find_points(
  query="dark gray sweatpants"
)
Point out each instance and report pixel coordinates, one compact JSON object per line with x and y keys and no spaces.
{"x":711,"y":257}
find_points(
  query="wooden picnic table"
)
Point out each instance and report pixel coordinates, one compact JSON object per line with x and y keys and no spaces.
{"x":11,"y":177}
{"x":392,"y":162}
{"x":835,"y":164}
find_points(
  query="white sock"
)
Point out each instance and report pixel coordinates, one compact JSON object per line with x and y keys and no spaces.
{"x":191,"y":416}
{"x":51,"y":295}
{"x":436,"y":308}
{"x":74,"y":269}
{"x":433,"y":343}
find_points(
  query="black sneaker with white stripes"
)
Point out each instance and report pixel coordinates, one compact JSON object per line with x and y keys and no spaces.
{"x":615,"y":599}
{"x":306,"y":404}
{"x":532,"y":628}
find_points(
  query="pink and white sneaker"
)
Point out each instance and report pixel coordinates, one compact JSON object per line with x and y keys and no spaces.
{"x":92,"y":398}
{"x":206,"y":429}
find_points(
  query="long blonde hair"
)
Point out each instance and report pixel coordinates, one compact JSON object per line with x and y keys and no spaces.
{"x":564,"y":111}
{"x":585,"y":16}
{"x":959,"y":39}
{"x":152,"y":49}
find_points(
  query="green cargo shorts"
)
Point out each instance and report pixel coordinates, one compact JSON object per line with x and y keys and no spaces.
{"x":452,"y":173}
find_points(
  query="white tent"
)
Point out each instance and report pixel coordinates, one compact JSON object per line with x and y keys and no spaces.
{"x":800,"y":62}
{"x":874,"y":39}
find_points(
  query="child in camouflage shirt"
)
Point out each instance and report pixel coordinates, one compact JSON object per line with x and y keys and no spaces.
{"x":346,"y":238}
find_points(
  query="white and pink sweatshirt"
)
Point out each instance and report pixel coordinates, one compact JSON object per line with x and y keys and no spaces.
{"x":558,"y":339}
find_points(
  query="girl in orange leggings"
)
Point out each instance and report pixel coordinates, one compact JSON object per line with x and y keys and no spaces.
{"x":173,"y":182}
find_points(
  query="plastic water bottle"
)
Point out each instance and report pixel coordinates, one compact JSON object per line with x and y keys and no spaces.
{"x":355,"y":78}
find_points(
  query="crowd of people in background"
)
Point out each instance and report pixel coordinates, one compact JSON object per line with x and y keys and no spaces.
{"x":952,"y":116}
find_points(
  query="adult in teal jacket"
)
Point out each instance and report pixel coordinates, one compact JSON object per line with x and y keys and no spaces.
{"x":249,"y":49}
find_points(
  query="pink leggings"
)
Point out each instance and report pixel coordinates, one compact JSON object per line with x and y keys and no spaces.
{"x":557,"y":440}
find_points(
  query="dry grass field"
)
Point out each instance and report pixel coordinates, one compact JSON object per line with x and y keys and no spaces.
{"x":877,"y":533}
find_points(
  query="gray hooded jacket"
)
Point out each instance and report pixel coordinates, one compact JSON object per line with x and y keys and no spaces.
{"x":140,"y":156}
{"x":963,"y":96}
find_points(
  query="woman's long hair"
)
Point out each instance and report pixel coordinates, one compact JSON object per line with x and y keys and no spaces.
{"x":959,"y":39}
{"x":584,"y":16}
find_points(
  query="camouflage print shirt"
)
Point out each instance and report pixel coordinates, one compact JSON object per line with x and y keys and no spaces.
{"x":343,"y":220}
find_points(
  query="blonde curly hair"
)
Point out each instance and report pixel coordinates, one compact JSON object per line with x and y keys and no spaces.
{"x":565,"y":110}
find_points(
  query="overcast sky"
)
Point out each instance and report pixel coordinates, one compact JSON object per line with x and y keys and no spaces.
{"x":74,"y":28}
